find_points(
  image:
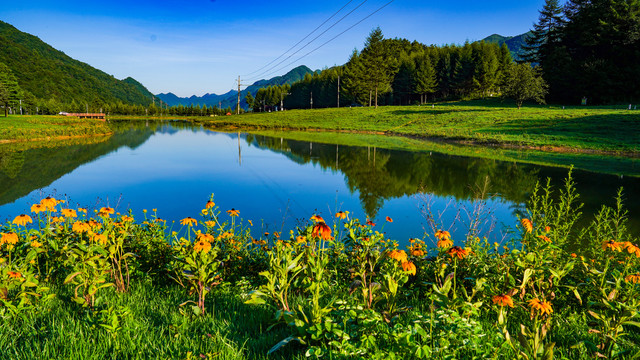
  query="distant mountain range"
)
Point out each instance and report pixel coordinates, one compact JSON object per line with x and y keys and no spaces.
{"x":50,"y":74}
{"x":514,"y":43}
{"x":230,"y":99}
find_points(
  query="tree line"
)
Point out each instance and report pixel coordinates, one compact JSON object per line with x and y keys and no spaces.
{"x":588,"y":49}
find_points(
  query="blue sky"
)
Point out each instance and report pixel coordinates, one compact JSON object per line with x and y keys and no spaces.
{"x":201,"y":46}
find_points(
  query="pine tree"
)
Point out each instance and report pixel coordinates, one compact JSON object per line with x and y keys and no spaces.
{"x":425,"y":79}
{"x":379,"y":68}
{"x":9,"y":89}
{"x":546,"y":33}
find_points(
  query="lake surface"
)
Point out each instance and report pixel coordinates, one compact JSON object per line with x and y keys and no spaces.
{"x":279,"y":183}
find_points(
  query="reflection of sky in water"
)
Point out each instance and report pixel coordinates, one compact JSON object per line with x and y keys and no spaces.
{"x":176,"y":173}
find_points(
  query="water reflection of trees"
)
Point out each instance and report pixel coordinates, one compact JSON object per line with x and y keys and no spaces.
{"x":380,"y":174}
{"x":23,"y":170}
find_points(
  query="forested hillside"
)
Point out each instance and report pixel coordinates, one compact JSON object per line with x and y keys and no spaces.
{"x":52,"y":81}
{"x":514,"y":43}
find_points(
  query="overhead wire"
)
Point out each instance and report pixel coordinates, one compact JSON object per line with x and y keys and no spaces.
{"x":308,"y":43}
{"x":303,"y":39}
{"x":328,"y":41}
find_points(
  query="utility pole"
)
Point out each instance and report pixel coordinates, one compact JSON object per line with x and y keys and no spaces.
{"x":312,"y":100}
{"x":338,"y":90}
{"x":21,"y":107}
{"x":281,"y":99}
{"x":239,"y":89}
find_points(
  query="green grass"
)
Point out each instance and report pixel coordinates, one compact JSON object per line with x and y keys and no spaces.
{"x":29,"y":127}
{"x":485,"y":122}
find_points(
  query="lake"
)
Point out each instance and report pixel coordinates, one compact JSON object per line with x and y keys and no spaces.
{"x":278,"y":180}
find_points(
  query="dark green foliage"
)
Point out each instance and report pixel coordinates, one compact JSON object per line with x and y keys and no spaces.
{"x":9,"y":89}
{"x":60,"y":82}
{"x":524,"y":83}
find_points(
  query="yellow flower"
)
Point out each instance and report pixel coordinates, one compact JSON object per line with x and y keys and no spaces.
{"x":189,"y":221}
{"x":205,"y":237}
{"x":210,"y":223}
{"x":632,"y":249}
{"x":633,"y":278}
{"x":49,"y":203}
{"x":106,"y":211}
{"x":80,"y":227}
{"x":57,"y":219}
{"x":99,"y":238}
{"x":409,"y":267}
{"x":10,"y":238}
{"x":503,"y":300}
{"x":126,"y":218}
{"x":444,"y":243}
{"x":543,"y":306}
{"x":322,"y":231}
{"x":527,"y":225}
{"x":612,"y":245}
{"x":442,"y":235}
{"x":37,"y":208}
{"x":342,"y":215}
{"x":399,"y":255}
{"x":83,"y":210}
{"x":458,"y":252}
{"x":233,"y":212}
{"x":202,"y":245}
{"x":22,"y":220}
{"x":250,"y":222}
{"x":210,"y":204}
{"x":301,"y":239}
{"x":69,"y":213}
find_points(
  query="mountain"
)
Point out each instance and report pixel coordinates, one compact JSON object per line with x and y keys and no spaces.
{"x":50,"y":74}
{"x":230,"y":99}
{"x":514,"y":43}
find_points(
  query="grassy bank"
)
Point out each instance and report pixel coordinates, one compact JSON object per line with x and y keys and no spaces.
{"x":483,"y":122}
{"x":43,"y":127}
{"x":78,"y":284}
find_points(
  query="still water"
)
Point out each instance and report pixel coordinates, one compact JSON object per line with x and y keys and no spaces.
{"x":279,"y":183}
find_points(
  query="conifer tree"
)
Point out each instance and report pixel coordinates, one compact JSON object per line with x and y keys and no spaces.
{"x":546,"y":33}
{"x":425,"y":80}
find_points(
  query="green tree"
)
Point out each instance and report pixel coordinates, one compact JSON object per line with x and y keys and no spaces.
{"x":546,"y":33}
{"x":425,"y":79}
{"x":249,"y":99}
{"x":9,"y":89}
{"x":525,"y":83}
{"x":379,"y":69}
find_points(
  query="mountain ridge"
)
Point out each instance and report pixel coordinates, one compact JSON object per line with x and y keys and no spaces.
{"x":514,"y":43}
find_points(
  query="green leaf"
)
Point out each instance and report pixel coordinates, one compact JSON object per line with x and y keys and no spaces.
{"x":282,"y":343}
{"x":70,"y":277}
{"x":632,"y":323}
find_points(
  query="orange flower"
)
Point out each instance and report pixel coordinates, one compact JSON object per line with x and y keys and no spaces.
{"x":106,"y":211}
{"x":342,"y":215}
{"x":573,"y":255}
{"x":612,"y":245}
{"x":316,"y":218}
{"x":80,"y":227}
{"x":527,"y":225}
{"x":37,"y":208}
{"x":14,"y":274}
{"x":202,"y":245}
{"x":409,"y":267}
{"x":503,"y":300}
{"x":417,"y":252}
{"x":399,"y":255}
{"x":547,"y":229}
{"x":69,"y":213}
{"x":632,"y":249}
{"x":210,"y":204}
{"x":445,"y":243}
{"x":458,"y":252}
{"x":544,"y":238}
{"x":322,"y":231}
{"x":205,"y":237}
{"x":49,"y":203}
{"x":370,"y":223}
{"x":543,"y":306}
{"x":189,"y":221}
{"x":301,"y":239}
{"x":440,"y":234}
{"x":22,"y":220}
{"x":82,"y":210}
{"x":36,"y":244}
{"x":99,"y":238}
{"x":9,"y":238}
{"x":633,"y":278}
{"x":233,"y":212}
{"x":57,"y":219}
{"x":389,"y":219}
{"x":126,"y":218}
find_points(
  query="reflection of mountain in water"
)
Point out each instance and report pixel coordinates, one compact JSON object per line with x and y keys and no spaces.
{"x":380,"y":174}
{"x":23,"y":171}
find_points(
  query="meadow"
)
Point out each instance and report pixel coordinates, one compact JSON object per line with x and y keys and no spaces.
{"x":15,"y":128}
{"x":94,"y":284}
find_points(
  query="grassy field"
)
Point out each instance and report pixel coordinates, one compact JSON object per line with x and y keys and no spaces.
{"x":30,"y":128}
{"x":582,"y":129}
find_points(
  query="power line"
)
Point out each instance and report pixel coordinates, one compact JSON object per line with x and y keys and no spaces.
{"x":308,"y":43}
{"x":328,"y":41}
{"x":303,"y":39}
